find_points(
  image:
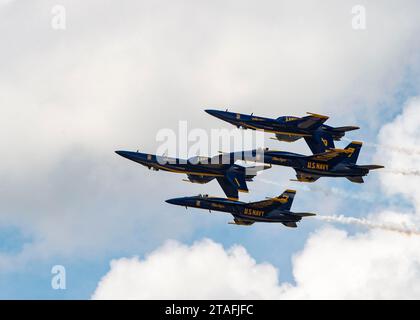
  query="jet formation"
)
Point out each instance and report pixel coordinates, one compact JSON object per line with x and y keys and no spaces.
{"x":326,"y":161}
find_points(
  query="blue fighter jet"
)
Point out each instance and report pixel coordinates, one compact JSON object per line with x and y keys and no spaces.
{"x":271,"y":210}
{"x":331,"y":163}
{"x":231,"y":177}
{"x":317,"y":135}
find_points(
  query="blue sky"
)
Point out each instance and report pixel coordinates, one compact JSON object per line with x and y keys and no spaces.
{"x":119,"y":73}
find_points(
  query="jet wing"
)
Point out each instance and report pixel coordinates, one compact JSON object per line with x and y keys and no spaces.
{"x":230,"y":190}
{"x":304,"y":177}
{"x":313,"y":121}
{"x":236,"y":175}
{"x":356,"y":179}
{"x":241,"y":222}
{"x":233,"y":181}
{"x":199,"y":179}
{"x":329,"y":154}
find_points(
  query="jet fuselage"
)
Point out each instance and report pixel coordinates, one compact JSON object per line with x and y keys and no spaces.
{"x":314,"y":167}
{"x":176,"y":165}
{"x":240,"y":210}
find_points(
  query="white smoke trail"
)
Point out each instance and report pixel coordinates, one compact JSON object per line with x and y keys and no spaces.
{"x":408,"y":151}
{"x":400,"y":228}
{"x":408,"y":172}
{"x":365,"y":196}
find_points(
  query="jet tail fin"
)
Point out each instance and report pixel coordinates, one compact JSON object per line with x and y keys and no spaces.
{"x":348,"y":155}
{"x":319,"y":142}
{"x":283,"y":201}
{"x":353,"y":150}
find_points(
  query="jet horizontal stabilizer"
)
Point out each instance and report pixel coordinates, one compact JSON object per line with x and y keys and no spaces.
{"x":241,"y":222}
{"x":312,"y":122}
{"x":345,"y":129}
{"x":371,"y":166}
{"x":316,"y":115}
{"x":304,"y":214}
{"x":290,"y":224}
{"x":356,"y":179}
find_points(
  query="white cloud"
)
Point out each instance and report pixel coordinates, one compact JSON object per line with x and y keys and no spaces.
{"x":333,"y":265}
{"x":372,"y":265}
{"x":121,"y":71}
{"x":399,"y":151}
{"x":375,"y":264}
{"x":203,"y":270}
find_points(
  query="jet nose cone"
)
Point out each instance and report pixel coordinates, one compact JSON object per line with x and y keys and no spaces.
{"x":121,"y":153}
{"x":210,"y":111}
{"x":216,"y":113}
{"x":175,"y":201}
{"x":135,"y":156}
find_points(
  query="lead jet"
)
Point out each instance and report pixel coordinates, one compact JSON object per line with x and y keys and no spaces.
{"x":231,"y":177}
{"x":331,"y":163}
{"x":317,"y":135}
{"x":244,"y":214}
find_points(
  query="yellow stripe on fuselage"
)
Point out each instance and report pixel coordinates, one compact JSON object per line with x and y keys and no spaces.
{"x":189,"y":172}
{"x":276,"y":131}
